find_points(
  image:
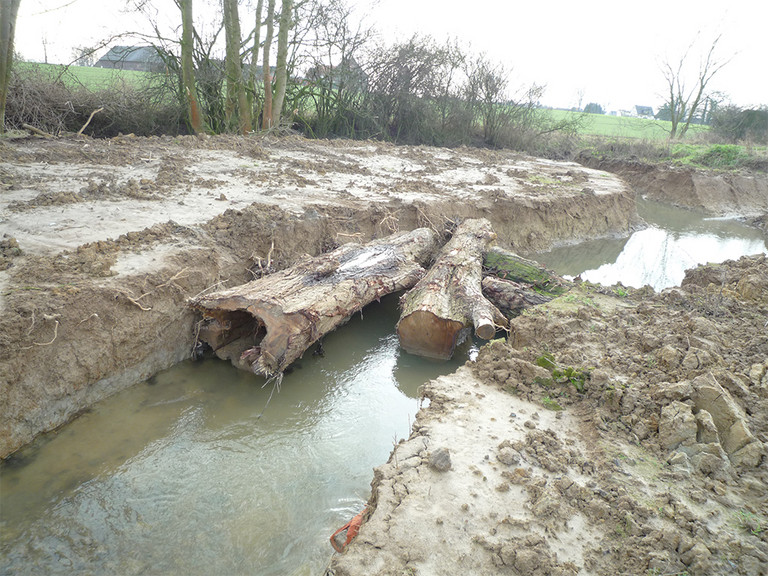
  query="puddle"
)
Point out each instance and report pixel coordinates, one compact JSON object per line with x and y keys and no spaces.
{"x":190,"y":473}
{"x":658,"y":256}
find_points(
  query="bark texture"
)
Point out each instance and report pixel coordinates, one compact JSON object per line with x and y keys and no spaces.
{"x":265,"y":325}
{"x":511,"y":297}
{"x":439,"y":312}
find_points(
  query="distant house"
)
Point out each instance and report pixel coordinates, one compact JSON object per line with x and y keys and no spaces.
{"x":644,"y":111}
{"x":142,"y":58}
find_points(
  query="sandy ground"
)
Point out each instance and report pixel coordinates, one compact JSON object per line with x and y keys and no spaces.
{"x":614,"y":432}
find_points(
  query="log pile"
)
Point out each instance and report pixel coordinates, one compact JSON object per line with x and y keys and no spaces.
{"x":264,"y":325}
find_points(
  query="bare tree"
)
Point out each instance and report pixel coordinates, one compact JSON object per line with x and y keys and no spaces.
{"x":9,"y":9}
{"x":187,"y":67}
{"x":683,"y":103}
{"x":235,"y":95}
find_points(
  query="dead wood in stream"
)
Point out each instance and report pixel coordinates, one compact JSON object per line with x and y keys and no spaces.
{"x":266,"y":324}
{"x":438,"y":313}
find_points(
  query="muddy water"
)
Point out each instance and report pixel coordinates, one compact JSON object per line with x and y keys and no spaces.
{"x":189,"y":473}
{"x":676,"y":240}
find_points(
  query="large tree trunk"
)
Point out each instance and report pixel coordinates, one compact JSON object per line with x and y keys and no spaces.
{"x":9,"y":9}
{"x":281,"y":71}
{"x":255,"y":62}
{"x":266,"y":113}
{"x":194,"y":114}
{"x":266,"y":324}
{"x":235,"y":97}
{"x":438,"y":313}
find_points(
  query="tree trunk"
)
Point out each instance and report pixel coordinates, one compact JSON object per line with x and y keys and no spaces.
{"x":255,"y":61}
{"x":235,"y":97}
{"x":265,"y":325}
{"x":187,"y":68}
{"x":438,"y":313}
{"x":281,"y":72}
{"x":9,"y":9}
{"x":511,"y":297}
{"x":509,"y":266}
{"x":266,"y":113}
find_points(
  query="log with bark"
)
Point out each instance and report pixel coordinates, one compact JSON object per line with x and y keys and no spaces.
{"x":511,"y":297}
{"x":509,"y":266}
{"x":514,"y":283}
{"x":266,"y":324}
{"x":438,"y":313}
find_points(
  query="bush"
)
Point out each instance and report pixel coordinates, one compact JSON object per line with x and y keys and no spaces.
{"x":38,"y":96}
{"x":734,"y":124}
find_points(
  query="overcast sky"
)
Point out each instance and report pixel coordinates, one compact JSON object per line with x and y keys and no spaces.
{"x":603,"y":51}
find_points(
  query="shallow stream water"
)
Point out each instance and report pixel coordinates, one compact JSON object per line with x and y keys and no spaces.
{"x":675,"y":240}
{"x":193,"y":473}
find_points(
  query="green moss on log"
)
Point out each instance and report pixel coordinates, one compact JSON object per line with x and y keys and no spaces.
{"x":509,"y":266}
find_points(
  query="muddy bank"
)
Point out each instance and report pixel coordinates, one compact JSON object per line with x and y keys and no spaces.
{"x":105,"y":241}
{"x":713,"y":192}
{"x":613,"y":432}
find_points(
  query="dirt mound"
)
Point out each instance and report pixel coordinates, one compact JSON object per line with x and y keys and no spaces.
{"x":613,"y":432}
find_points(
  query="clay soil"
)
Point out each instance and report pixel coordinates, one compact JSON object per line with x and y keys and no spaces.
{"x":611,"y":431}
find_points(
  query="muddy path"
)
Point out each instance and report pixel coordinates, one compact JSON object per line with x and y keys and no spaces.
{"x":104,"y":241}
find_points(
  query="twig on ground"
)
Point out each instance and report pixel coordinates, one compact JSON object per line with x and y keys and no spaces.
{"x":36,"y":131}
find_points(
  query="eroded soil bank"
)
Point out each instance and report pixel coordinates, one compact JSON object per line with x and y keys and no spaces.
{"x":104,"y":241}
{"x":743,"y":194}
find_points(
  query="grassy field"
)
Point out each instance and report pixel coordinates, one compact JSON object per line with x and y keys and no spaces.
{"x":83,"y":76}
{"x":621,"y":127}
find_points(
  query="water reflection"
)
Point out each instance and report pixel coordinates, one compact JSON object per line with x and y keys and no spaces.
{"x":659,"y":255}
{"x":192,"y":475}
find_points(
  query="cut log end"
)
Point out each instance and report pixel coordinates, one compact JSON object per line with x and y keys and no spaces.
{"x":425,"y":334}
{"x":485,"y":328}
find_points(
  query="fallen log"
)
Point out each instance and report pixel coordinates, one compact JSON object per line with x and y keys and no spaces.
{"x":509,"y":266}
{"x":266,"y":324}
{"x":511,"y":297}
{"x":439,"y":311}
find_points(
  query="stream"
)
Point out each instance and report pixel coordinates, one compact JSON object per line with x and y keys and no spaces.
{"x":675,"y":240}
{"x":192,"y":472}
{"x":204,"y":469}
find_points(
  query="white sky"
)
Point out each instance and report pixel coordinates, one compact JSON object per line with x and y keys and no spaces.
{"x":604,"y":51}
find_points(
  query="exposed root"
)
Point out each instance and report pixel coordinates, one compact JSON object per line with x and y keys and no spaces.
{"x":276,"y":380}
{"x":94,"y":315}
{"x":134,"y":301}
{"x":55,"y":335}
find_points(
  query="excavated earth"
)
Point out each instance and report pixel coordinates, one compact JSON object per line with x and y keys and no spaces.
{"x":614,"y":431}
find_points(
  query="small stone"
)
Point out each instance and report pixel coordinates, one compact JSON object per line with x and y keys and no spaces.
{"x":440,"y":460}
{"x":508,"y":456}
{"x":530,"y":424}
